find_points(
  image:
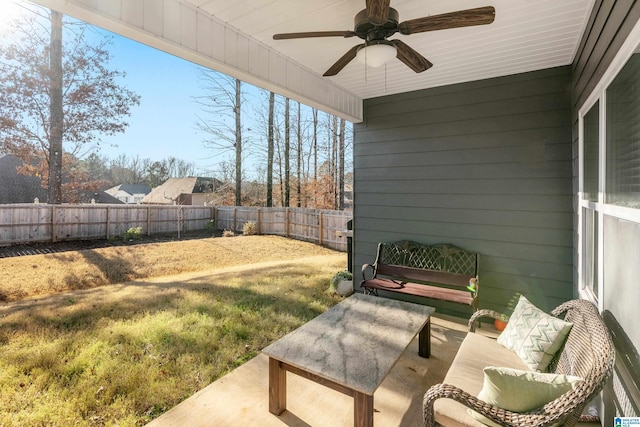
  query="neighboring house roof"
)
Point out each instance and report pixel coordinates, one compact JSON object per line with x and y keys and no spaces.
{"x":100,"y":197}
{"x":130,"y":189}
{"x":173,"y":188}
{"x":15,"y":187}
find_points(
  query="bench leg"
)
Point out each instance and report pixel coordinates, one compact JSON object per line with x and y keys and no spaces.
{"x":424,"y":340}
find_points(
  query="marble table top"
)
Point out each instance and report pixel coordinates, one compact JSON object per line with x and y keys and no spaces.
{"x":356,"y":342}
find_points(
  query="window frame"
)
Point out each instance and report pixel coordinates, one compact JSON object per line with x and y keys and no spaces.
{"x":600,"y":207}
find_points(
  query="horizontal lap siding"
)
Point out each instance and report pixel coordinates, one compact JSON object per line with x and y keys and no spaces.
{"x":484,"y":165}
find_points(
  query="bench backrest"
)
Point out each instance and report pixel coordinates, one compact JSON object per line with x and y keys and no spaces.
{"x":447,"y":258}
{"x":444,"y":263}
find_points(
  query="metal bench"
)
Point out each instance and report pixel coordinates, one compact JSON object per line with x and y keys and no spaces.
{"x":442,"y":272}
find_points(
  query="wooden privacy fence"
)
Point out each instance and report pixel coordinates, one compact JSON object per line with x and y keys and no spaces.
{"x":312,"y":225}
{"x":25,"y":223}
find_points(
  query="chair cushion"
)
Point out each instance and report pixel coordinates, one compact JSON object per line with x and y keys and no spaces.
{"x":520,"y":391}
{"x":476,"y":352}
{"x":534,"y":335}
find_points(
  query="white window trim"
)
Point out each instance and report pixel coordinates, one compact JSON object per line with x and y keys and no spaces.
{"x":600,"y":207}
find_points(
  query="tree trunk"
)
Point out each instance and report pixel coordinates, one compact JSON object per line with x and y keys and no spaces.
{"x":55,"y":110}
{"x":238,"y":144}
{"x":299,"y":162}
{"x":341,"y":166}
{"x":287,"y":143}
{"x":315,"y":157}
{"x":270,"y":151}
{"x":334,"y":164}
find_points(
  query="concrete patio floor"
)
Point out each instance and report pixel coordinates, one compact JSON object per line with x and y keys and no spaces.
{"x":241,"y":397}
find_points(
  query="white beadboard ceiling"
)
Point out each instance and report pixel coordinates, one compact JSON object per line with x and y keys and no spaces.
{"x":526,"y":35}
{"x":235,"y":37}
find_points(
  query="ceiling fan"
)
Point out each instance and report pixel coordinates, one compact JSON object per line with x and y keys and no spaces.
{"x":379,"y":21}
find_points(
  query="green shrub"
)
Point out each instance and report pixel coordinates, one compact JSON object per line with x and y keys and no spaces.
{"x":249,"y":228}
{"x":211,"y":226}
{"x":339,"y":276}
{"x":132,"y":234}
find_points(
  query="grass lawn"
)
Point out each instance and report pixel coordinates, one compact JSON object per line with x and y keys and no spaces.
{"x":124,"y":353}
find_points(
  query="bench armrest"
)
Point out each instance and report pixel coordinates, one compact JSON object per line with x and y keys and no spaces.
{"x":499,"y":415}
{"x":364,"y":268}
{"x":485,"y":313}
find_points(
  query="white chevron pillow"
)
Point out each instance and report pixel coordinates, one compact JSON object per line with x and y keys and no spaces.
{"x":534,"y":335}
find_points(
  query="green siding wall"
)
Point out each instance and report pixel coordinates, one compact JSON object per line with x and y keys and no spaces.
{"x":485,"y":165}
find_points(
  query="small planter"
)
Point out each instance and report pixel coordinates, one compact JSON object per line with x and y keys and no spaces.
{"x":341,"y":283}
{"x":344,"y":288}
{"x":500,"y":324}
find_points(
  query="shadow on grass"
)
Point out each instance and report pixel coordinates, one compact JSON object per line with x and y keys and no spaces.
{"x":89,"y":308}
{"x":123,"y":340}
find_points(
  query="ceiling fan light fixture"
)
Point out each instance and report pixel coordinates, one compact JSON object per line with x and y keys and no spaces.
{"x":376,"y":54}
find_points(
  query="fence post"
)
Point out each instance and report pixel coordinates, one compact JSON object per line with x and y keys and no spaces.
{"x":53,"y":223}
{"x":258,"y":223}
{"x":235,"y":219}
{"x":320,"y":228}
{"x":286,"y":222}
{"x":108,"y":221}
{"x":148,"y":220}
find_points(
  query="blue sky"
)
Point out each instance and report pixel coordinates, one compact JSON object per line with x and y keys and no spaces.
{"x":164,"y":124}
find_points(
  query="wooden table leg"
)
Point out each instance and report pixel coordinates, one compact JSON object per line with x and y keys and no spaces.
{"x":424,"y":340}
{"x":277,"y":387}
{"x":362,"y":410}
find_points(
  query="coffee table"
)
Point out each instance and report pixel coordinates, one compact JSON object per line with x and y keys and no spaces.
{"x":350,"y":348}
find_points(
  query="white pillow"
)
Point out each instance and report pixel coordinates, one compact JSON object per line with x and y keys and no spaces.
{"x":534,"y":335}
{"x":521,"y":391}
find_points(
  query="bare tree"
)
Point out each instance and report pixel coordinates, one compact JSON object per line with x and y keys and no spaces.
{"x":299,"y":160}
{"x":270,"y":142}
{"x":221,"y":104}
{"x":341,"y":165}
{"x":55,"y":109}
{"x":287,"y":148}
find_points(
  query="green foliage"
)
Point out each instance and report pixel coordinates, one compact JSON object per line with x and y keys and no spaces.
{"x":132,"y":234}
{"x":94,"y":101}
{"x":211,"y":226}
{"x":249,"y":228}
{"x":337,"y":278}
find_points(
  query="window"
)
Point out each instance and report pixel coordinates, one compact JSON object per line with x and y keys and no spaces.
{"x":623,"y":136}
{"x":609,"y":179}
{"x":591,"y":158}
{"x":590,"y":251}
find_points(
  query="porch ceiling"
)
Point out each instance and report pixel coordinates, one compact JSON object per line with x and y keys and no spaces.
{"x":235,"y":37}
{"x":525,"y":36}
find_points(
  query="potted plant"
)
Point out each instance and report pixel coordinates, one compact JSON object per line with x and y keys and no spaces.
{"x":501,"y":322}
{"x":342,"y":283}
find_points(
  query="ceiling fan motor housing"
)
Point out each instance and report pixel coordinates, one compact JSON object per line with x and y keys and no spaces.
{"x":367,"y":30}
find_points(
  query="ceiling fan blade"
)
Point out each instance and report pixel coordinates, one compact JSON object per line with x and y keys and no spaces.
{"x":461,"y":18}
{"x":378,"y":11}
{"x":342,"y":62}
{"x":285,"y":36}
{"x":410,"y":57}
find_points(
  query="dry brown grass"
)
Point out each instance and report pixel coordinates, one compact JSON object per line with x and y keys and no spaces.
{"x":38,"y":275}
{"x":122,"y":354}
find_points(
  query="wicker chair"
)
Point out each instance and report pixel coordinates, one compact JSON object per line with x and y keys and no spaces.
{"x":587,"y":353}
